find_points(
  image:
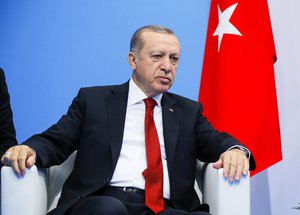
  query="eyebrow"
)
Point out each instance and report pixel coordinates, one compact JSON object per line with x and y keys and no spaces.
{"x":157,"y":52}
{"x":162,"y":52}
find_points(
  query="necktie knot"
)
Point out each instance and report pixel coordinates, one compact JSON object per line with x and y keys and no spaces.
{"x":150,"y":103}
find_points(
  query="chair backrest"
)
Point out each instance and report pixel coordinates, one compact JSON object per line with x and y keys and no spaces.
{"x":57,"y":175}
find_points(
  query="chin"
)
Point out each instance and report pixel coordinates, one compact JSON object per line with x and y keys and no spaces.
{"x":163,"y":89}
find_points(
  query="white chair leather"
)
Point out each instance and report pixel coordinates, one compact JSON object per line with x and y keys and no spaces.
{"x":223,"y":197}
{"x":23,"y":195}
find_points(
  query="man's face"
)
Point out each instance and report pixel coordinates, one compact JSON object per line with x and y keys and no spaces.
{"x":154,"y":70}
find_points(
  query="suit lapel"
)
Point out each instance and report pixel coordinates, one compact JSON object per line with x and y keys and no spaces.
{"x":171,"y":116}
{"x":116,"y":109}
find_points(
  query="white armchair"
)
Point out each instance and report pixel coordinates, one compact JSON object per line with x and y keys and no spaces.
{"x":38,"y":190}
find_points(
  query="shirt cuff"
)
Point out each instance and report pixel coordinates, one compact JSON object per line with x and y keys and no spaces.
{"x":244,"y":149}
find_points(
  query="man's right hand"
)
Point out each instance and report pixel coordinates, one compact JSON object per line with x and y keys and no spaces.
{"x":19,"y":158}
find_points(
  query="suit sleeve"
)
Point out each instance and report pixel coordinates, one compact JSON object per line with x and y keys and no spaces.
{"x":7,"y":129}
{"x":212,"y":143}
{"x":55,"y":144}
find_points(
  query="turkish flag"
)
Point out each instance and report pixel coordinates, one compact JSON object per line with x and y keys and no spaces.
{"x":238,"y":89}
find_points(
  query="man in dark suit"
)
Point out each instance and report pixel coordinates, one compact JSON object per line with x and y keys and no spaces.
{"x":106,"y":127}
{"x":7,"y":129}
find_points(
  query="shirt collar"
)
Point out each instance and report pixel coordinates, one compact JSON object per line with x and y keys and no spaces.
{"x":136,"y":95}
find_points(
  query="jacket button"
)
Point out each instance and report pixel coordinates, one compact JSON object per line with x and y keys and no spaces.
{"x":105,"y":181}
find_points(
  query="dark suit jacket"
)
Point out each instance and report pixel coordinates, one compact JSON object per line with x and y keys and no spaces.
{"x":7,"y":129}
{"x":94,"y":126}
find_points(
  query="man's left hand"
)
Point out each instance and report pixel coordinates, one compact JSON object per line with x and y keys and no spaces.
{"x":234,"y":163}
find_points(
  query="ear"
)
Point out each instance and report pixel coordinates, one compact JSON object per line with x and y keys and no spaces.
{"x":132,"y":60}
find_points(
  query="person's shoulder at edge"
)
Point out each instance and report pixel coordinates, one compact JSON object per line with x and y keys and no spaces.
{"x":2,"y":77}
{"x":91,"y":89}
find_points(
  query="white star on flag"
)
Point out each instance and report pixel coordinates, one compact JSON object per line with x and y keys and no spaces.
{"x":224,"y":25}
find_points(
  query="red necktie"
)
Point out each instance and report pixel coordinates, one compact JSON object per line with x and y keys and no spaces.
{"x":154,"y":172}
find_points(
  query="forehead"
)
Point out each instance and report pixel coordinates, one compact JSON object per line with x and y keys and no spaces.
{"x":161,"y":41}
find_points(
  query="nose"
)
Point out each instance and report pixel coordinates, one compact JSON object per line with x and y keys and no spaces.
{"x":165,"y":65}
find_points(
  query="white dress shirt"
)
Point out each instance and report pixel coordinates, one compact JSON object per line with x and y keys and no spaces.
{"x":132,"y":160}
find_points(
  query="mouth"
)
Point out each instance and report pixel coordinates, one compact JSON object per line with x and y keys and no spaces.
{"x":164,"y":79}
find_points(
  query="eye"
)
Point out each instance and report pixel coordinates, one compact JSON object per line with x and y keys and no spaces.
{"x":156,"y":57}
{"x":174,"y":59}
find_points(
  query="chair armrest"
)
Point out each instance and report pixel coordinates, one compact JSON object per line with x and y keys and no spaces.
{"x":224,"y":197}
{"x":57,"y":176}
{"x":25,"y":195}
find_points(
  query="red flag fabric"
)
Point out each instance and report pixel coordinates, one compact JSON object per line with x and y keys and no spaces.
{"x":238,"y":85}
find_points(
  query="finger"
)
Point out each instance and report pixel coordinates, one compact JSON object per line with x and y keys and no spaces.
{"x":218,"y":164}
{"x":13,"y":160}
{"x":30,"y":161}
{"x":240,"y":169}
{"x":23,"y":154}
{"x":246,"y":167}
{"x":226,"y":165}
{"x":232,"y":167}
{"x":5,"y":158}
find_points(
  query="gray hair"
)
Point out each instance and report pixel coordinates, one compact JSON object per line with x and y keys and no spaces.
{"x":136,"y":42}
